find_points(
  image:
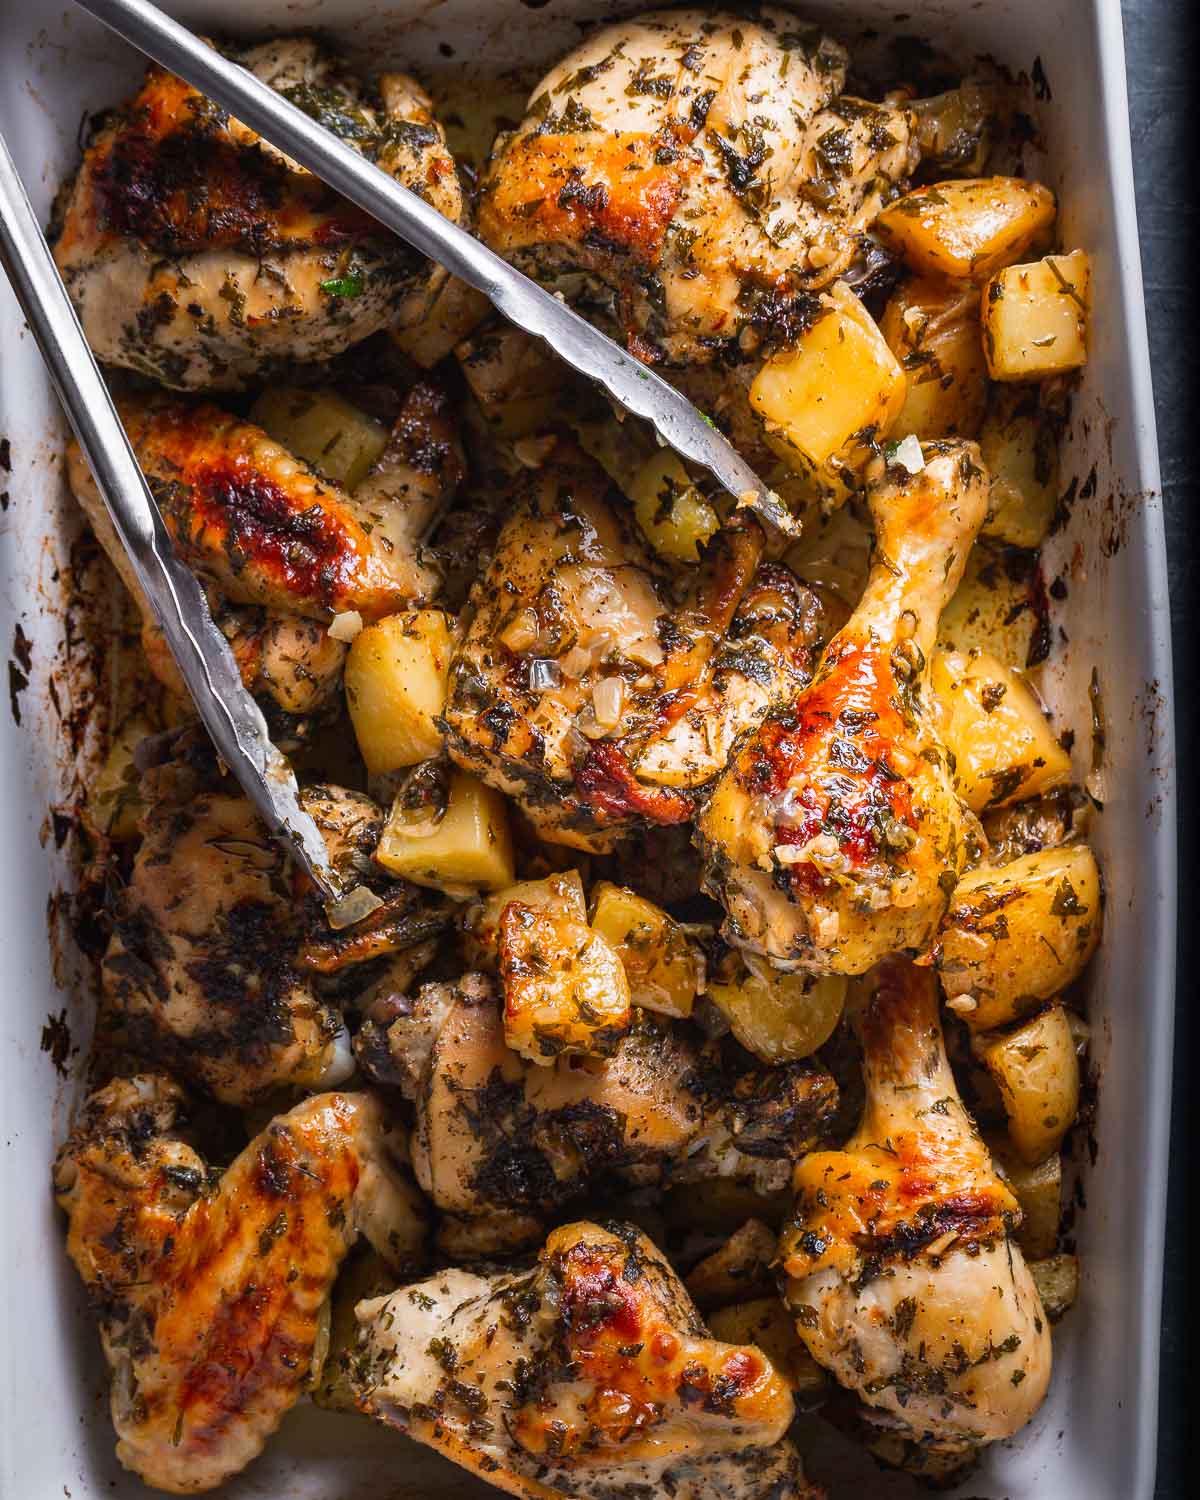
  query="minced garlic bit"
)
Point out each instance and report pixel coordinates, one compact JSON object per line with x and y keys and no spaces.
{"x":963,"y":1004}
{"x":908,"y":454}
{"x":346,"y":626}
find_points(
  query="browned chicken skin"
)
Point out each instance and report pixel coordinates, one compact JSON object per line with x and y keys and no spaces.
{"x":835,"y":836}
{"x":589,"y":1376}
{"x":209,"y":1291}
{"x":702,"y":168}
{"x":503,"y":1144}
{"x":198,"y":254}
{"x":590,"y":690}
{"x":208,"y":969}
{"x":900,"y":1266}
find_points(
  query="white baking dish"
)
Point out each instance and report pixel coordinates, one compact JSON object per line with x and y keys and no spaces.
{"x":1095,"y":1437}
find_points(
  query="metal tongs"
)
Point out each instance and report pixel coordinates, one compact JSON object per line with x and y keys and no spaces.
{"x":229,"y":713}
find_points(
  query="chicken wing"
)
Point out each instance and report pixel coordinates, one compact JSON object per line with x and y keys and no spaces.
{"x":835,"y":836}
{"x":209,"y":1287}
{"x":901,"y":1269}
{"x":703,"y":171}
{"x":590,"y":1376}
{"x":501,"y":1143}
{"x":198,"y":254}
{"x":590,"y":690}
{"x":207,"y":969}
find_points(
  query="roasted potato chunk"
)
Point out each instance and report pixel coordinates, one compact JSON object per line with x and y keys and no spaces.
{"x":1020,"y":450}
{"x":1037,"y":1070}
{"x":1017,"y":935}
{"x":780,"y":1017}
{"x":740,"y":1269}
{"x":838,"y":380}
{"x":565,"y":990}
{"x":674,"y":516}
{"x":932,"y":327}
{"x":323,"y":429}
{"x":664,"y":971}
{"x":1004,"y":750}
{"x":468,"y":848}
{"x":1057,"y":1282}
{"x":1035,"y":318}
{"x":514,"y":378}
{"x":968,"y":227}
{"x":1039,"y":1192}
{"x":559,"y":892}
{"x":396,"y":688}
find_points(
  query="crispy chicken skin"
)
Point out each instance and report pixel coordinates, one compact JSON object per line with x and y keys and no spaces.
{"x":590,"y":1376}
{"x":197,"y":254}
{"x":899,"y":1263}
{"x":209,"y":1288}
{"x":256,"y":522}
{"x":504,"y":1144}
{"x":702,"y":168}
{"x":594,"y":692}
{"x":835,"y":836}
{"x":208,"y":969}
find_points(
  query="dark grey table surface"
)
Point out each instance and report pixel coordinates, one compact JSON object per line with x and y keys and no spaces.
{"x":1161,"y":53}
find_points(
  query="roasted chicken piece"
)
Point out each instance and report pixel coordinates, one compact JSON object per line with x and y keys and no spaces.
{"x":209,"y":1287}
{"x":702,"y":171}
{"x":198,"y":254}
{"x":501,"y":1142}
{"x":279,"y":548}
{"x":835,"y":836}
{"x":901,"y":1268}
{"x":589,"y":1376}
{"x":588,"y":689}
{"x":208,"y":969}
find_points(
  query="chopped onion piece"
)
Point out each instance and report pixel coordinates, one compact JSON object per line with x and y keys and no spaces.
{"x":908,"y":454}
{"x":543,"y":675}
{"x":608,"y":699}
{"x":346,"y":626}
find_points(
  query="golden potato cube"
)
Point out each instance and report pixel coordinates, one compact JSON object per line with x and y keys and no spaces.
{"x":323,"y":429}
{"x":1004,"y":750}
{"x":565,"y":990}
{"x":517,"y":382}
{"x":559,"y":892}
{"x":396,"y":688}
{"x":427,"y":331}
{"x":664,"y":971}
{"x":838,"y":380}
{"x":1019,"y":934}
{"x":784,"y":1018}
{"x":766,"y":1323}
{"x":1057,"y":1282}
{"x":1039,"y":1192}
{"x":468,"y":849}
{"x":1036,"y":1069}
{"x":676,"y":518}
{"x":1035,"y":318}
{"x":113,"y":804}
{"x":1020,"y":452}
{"x":739,"y":1268}
{"x":932,"y":327}
{"x":968,"y":227}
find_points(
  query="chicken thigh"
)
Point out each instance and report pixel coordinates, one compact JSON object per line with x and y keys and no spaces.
{"x":594,"y":692}
{"x":199,"y":255}
{"x":835,"y":836}
{"x":501,"y":1144}
{"x":702,"y":171}
{"x":589,"y":1376}
{"x":209,"y":1287}
{"x":207,"y":969}
{"x":901,"y":1269}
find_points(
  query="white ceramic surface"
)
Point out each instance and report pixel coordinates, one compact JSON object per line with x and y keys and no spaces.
{"x":1094,"y":1439}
